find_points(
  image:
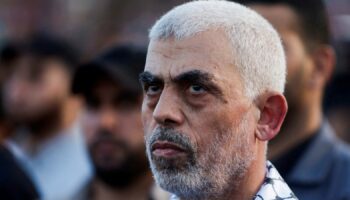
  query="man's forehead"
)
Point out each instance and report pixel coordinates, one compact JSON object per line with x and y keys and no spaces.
{"x":167,"y":47}
{"x":109,"y":90}
{"x":107,"y":86}
{"x":34,"y":64}
{"x":172,"y":69}
{"x":207,"y":47}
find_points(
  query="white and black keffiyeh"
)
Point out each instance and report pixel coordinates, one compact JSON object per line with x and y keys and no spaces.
{"x":274,"y":187}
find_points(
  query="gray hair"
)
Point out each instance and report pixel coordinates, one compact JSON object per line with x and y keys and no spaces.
{"x":257,"y":49}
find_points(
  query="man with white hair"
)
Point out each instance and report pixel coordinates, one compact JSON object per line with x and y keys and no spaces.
{"x":213,"y":97}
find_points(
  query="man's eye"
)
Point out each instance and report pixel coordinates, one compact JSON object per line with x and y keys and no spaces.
{"x":197,"y":89}
{"x":153,"y":90}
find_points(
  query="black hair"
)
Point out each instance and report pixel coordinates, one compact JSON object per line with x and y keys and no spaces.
{"x":41,"y":46}
{"x":120,"y":64}
{"x":312,"y":19}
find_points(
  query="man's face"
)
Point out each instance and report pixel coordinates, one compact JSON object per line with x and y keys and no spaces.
{"x":113,"y":128}
{"x":35,"y":89}
{"x":299,"y":63}
{"x":198,"y":124}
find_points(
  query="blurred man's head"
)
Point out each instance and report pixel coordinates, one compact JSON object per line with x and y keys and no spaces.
{"x":39,"y":78}
{"x":303,"y":27}
{"x":112,"y":116}
{"x":213,"y":85}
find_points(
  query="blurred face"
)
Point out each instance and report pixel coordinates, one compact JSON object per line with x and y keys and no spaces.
{"x":113,"y":128}
{"x":35,"y":89}
{"x":299,"y":63}
{"x":198,"y":124}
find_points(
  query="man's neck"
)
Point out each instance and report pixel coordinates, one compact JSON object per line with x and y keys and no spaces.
{"x":300,"y":124}
{"x":139,"y":190}
{"x":253,"y":179}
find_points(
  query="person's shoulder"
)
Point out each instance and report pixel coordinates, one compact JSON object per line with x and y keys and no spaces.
{"x":14,"y":182}
{"x":341,"y":151}
{"x":337,"y":159}
{"x":341,"y":167}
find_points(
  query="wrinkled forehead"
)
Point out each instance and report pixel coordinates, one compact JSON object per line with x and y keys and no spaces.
{"x":209,"y":52}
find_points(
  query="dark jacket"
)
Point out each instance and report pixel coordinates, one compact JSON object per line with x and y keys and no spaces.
{"x":323,"y":171}
{"x":14,"y":183}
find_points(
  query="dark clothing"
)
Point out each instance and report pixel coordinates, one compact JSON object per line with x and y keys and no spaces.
{"x":322,"y":170}
{"x":286,"y":163}
{"x":14,"y":183}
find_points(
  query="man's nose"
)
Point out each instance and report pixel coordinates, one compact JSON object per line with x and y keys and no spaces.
{"x":109,"y":119}
{"x":168,"y":110}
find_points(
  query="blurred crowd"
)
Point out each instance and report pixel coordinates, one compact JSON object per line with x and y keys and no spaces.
{"x":70,"y":114}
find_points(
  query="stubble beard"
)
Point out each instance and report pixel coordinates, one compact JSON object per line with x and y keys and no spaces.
{"x":211,"y":175}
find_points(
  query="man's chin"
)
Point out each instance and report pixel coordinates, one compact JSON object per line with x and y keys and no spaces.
{"x":171,"y":163}
{"x":117,"y":175}
{"x":112,"y":178}
{"x":120,"y":173}
{"x":183,"y":183}
{"x":108,"y":163}
{"x":34,"y":117}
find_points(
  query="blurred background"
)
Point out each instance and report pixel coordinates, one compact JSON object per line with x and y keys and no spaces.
{"x":92,"y":26}
{"x":89,"y":24}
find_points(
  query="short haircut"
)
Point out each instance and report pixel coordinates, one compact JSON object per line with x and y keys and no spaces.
{"x":41,"y":46}
{"x":312,"y":19}
{"x":257,"y":50}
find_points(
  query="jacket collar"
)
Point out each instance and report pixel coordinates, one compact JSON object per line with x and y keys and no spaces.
{"x":314,"y":166}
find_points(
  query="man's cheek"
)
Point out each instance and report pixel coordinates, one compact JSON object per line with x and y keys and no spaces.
{"x":89,"y":126}
{"x":147,"y":123}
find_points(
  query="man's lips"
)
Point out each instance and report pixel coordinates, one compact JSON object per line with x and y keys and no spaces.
{"x":167,"y":149}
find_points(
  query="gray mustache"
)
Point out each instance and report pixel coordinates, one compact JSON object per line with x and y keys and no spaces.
{"x":173,"y":136}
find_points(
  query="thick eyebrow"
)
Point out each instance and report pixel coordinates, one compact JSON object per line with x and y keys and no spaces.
{"x":148,"y":78}
{"x":193,"y":76}
{"x":205,"y":79}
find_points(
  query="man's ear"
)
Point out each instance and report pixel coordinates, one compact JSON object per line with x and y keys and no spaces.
{"x":324,"y":59}
{"x":273,"y":109}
